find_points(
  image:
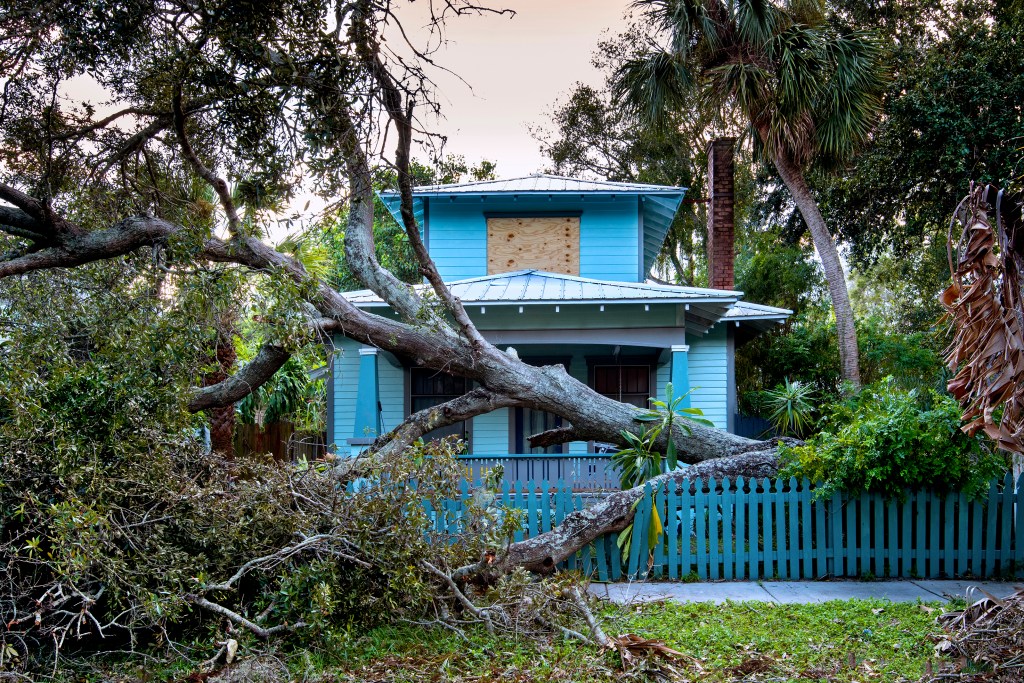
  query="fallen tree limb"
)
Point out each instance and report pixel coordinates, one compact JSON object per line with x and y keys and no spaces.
{"x":542,"y":554}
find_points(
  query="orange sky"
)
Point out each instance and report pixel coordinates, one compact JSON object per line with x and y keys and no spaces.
{"x":518,"y":68}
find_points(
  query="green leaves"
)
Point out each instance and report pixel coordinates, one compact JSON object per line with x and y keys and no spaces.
{"x":792,"y":409}
{"x":887,"y":440}
{"x":804,"y":88}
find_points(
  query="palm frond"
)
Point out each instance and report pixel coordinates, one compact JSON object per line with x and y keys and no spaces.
{"x":851,"y":97}
{"x":652,"y":85}
{"x":756,"y":21}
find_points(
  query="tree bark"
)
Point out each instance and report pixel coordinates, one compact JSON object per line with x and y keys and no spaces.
{"x":846,"y":330}
{"x":541,"y":554}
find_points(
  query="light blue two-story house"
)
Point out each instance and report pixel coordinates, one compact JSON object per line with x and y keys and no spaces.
{"x":556,"y":268}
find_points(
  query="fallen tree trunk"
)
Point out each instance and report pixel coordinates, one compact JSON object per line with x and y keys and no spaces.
{"x":542,"y":554}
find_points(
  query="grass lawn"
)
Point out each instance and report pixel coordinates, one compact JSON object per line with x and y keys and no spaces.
{"x":855,"y":640}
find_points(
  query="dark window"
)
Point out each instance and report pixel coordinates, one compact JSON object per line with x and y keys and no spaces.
{"x":430,"y":388}
{"x":626,"y":383}
{"x":530,"y":422}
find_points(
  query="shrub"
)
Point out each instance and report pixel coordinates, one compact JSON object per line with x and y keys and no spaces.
{"x":887,"y":440}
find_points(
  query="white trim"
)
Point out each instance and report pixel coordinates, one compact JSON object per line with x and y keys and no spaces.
{"x":680,"y":348}
{"x":368,"y":350}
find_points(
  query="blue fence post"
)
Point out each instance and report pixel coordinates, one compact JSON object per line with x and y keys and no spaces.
{"x":729,"y":539}
{"x":1006,"y":567}
{"x":1019,"y":535}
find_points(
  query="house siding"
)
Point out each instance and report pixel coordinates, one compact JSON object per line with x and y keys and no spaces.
{"x":490,"y":433}
{"x":346,"y":384}
{"x":609,"y":233}
{"x":708,"y":363}
{"x":392,"y":393}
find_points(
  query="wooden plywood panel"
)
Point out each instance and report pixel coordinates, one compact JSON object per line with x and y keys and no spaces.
{"x":550,"y":243}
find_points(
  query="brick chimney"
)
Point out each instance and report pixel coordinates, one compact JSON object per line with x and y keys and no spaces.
{"x":721,"y":249}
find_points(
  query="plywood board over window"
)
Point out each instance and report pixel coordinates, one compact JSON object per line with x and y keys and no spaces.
{"x":550,"y":243}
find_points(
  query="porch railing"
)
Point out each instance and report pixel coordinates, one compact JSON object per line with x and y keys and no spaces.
{"x":581,"y":472}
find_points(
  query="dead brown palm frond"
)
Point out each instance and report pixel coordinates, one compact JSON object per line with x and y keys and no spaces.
{"x":989,"y":634}
{"x":659,"y":659}
{"x":984,"y":306}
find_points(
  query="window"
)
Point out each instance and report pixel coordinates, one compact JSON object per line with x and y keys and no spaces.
{"x":429,"y":388}
{"x":626,"y":383}
{"x":549,"y":243}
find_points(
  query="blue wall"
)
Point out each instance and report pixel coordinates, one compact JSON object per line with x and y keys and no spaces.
{"x":708,"y":367}
{"x":708,"y":363}
{"x":609,"y":233}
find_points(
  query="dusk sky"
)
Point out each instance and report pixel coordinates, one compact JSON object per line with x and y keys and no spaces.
{"x":517,"y":68}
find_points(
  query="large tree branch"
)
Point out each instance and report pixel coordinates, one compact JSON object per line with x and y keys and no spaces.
{"x":477,"y":402}
{"x":614,"y":513}
{"x":123,"y":238}
{"x":219,"y":185}
{"x":360,"y":251}
{"x":239,"y":385}
{"x":20,"y":224}
{"x":399,"y":105}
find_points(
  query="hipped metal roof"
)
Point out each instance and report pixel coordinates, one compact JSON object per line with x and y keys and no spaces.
{"x":658,"y":203}
{"x":531,"y":287}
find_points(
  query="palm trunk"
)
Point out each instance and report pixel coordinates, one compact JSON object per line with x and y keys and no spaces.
{"x":849,"y":355}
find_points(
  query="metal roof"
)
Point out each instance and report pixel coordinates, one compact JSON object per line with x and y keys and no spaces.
{"x":541,"y":182}
{"x":658,"y":203}
{"x":745,"y":310}
{"x":535,"y":286}
{"x":759,"y":317}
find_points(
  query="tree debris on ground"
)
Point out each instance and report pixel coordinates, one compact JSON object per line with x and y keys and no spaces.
{"x":986,"y":640}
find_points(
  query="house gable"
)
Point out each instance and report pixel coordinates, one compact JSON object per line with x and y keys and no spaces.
{"x":621,"y":225}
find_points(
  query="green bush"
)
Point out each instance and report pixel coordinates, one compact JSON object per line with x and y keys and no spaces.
{"x":887,"y":440}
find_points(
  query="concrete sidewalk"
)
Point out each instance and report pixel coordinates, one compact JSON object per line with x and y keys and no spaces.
{"x":800,"y":592}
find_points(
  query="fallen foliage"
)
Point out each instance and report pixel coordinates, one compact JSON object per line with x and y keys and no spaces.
{"x":986,"y":639}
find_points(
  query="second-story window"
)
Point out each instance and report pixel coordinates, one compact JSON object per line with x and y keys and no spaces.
{"x":549,"y":243}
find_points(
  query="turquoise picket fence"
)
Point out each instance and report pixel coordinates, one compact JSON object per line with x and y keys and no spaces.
{"x":765,"y":529}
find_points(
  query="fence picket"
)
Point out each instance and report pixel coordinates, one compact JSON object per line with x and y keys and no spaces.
{"x":851,"y":538}
{"x":639,"y":537}
{"x":948,"y":554}
{"x":685,"y":538}
{"x":672,"y":530}
{"x":766,"y":530}
{"x":779,"y":510}
{"x":700,"y":513}
{"x":878,"y":539}
{"x":806,"y":531}
{"x":977,"y":517}
{"x":545,"y":507}
{"x":1006,"y":527}
{"x":602,"y":557}
{"x":754,"y":532}
{"x":793,"y":530}
{"x":991,"y":514}
{"x":961,"y":534}
{"x":838,"y":540}
{"x":1018,"y":541}
{"x":892,"y":538}
{"x":742,"y":549}
{"x":728,"y":535}
{"x":921,"y":518}
{"x":659,"y":549}
{"x":714,"y":515}
{"x":820,"y":534}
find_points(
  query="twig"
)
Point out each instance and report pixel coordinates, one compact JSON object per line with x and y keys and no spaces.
{"x":235,"y":617}
{"x":600,"y":636}
{"x":460,"y":596}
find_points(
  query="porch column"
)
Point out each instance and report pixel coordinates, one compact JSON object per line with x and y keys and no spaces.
{"x":367,"y":419}
{"x":681,"y":373}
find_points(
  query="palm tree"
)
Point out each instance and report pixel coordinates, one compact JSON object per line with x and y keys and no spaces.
{"x":808,"y":91}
